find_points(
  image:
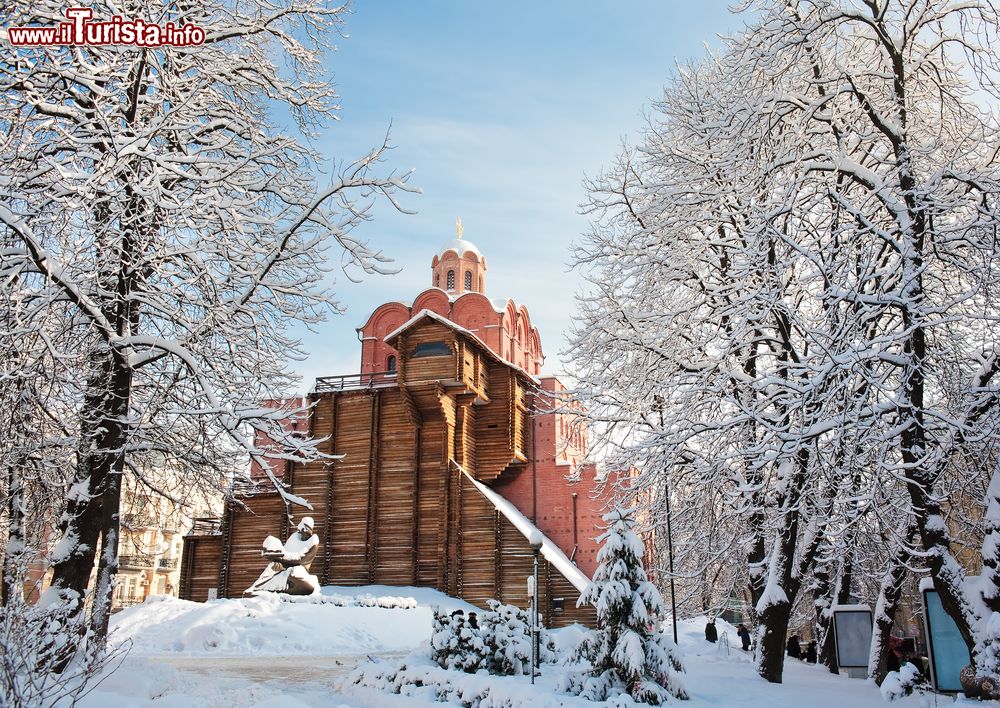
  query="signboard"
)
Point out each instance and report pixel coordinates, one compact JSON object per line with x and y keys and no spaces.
{"x":852,"y":631}
{"x":945,"y":647}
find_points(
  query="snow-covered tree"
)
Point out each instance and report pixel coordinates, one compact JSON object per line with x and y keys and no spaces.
{"x":506,"y":633}
{"x":628,"y":653}
{"x":456,"y":644}
{"x":792,"y":304}
{"x":44,"y":661}
{"x":159,"y":217}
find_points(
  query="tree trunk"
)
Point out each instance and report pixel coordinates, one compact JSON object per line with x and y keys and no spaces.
{"x":73,"y":560}
{"x":889,"y":593}
{"x":771,"y":640}
{"x":111,"y":500}
{"x":94,"y":515}
{"x":12,"y":560}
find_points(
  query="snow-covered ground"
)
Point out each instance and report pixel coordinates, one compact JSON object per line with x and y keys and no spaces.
{"x":263,"y":652}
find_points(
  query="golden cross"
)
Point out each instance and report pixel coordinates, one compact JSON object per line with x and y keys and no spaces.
{"x":458,"y":226}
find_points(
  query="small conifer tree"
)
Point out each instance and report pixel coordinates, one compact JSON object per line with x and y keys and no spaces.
{"x":456,"y":644}
{"x":628,"y":653}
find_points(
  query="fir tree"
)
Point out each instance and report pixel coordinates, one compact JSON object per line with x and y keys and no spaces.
{"x":629,"y":653}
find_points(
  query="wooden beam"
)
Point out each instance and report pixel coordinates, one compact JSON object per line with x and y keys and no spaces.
{"x":371,"y":549}
{"x":326,"y":540}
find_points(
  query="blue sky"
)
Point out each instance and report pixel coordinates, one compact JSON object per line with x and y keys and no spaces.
{"x":501,"y":108}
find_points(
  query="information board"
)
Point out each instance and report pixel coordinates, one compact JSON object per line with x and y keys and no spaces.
{"x":946,"y":649}
{"x":852,"y":627}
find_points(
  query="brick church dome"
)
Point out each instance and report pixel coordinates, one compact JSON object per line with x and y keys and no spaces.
{"x":460,"y":246}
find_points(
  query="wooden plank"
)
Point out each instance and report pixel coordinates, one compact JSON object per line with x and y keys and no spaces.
{"x":200,"y":560}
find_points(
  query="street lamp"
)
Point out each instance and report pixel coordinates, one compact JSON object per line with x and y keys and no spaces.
{"x":658,"y":406}
{"x":535,"y":541}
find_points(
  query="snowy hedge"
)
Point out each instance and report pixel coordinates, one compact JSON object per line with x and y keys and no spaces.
{"x":389,"y":602}
{"x":500,"y":644}
{"x":420,"y":677}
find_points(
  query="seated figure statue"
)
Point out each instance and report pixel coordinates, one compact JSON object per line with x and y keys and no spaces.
{"x":288,"y":570}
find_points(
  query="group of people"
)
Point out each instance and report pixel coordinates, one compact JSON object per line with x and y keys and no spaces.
{"x":712,"y":633}
{"x":794,"y":649}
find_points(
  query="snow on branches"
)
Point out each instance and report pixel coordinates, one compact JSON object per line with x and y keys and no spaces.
{"x":791,"y":313}
{"x":161,"y":234}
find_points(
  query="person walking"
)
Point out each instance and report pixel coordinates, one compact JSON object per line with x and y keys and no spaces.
{"x":811,"y":653}
{"x":793,"y":648}
{"x":711,"y":633}
{"x":744,"y":634}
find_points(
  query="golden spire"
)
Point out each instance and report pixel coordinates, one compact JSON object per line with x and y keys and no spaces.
{"x":458,"y":226}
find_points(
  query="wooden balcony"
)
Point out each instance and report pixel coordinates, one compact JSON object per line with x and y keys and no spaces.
{"x":355,"y":382}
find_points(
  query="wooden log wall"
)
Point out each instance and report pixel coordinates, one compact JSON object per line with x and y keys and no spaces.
{"x":356,"y":439}
{"x":394,"y":510}
{"x":392,"y":498}
{"x":248,"y":522}
{"x":494,"y":430}
{"x":201,"y":559}
{"x":432,"y":368}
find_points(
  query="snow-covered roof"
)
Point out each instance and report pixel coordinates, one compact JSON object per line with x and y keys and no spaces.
{"x":550,"y":551}
{"x":458,"y":328}
{"x":419,"y":316}
{"x":460,"y":246}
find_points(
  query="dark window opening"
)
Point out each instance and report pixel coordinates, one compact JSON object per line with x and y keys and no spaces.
{"x":390,"y":363}
{"x":558,"y":604}
{"x":468,"y":280}
{"x":430,"y":349}
{"x":437,"y":280}
{"x":451,"y":280}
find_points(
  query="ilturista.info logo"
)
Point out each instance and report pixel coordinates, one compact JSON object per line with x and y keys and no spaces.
{"x":81,"y":29}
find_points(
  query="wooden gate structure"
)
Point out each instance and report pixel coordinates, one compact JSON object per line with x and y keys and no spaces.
{"x":411,"y":500}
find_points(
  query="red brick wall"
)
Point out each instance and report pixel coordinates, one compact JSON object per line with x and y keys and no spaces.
{"x":542,"y":492}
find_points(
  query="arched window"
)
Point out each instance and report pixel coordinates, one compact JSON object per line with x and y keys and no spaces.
{"x":451,"y":280}
{"x":437,"y":280}
{"x":390,"y":363}
{"x":468,"y":280}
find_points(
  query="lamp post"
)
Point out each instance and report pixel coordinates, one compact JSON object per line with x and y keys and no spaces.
{"x":535,"y":541}
{"x":658,"y":405}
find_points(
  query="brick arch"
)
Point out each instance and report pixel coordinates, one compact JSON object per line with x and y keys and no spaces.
{"x":473,"y":311}
{"x":387,"y":318}
{"x":375,"y":352}
{"x":432,"y":299}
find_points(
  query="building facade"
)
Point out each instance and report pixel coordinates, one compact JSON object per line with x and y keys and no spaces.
{"x":454,"y":452}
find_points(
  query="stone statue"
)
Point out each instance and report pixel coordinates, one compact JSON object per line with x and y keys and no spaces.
{"x":288,"y":570}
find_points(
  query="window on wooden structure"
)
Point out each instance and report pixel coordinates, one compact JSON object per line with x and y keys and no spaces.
{"x":430,"y":349}
{"x":468,"y":280}
{"x":390,"y":363}
{"x":451,"y":280}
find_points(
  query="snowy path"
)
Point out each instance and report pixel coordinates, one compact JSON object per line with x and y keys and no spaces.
{"x":294,"y":670}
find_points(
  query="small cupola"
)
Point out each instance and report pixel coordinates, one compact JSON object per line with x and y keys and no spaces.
{"x":459,"y":267}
